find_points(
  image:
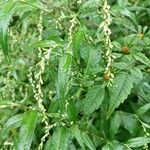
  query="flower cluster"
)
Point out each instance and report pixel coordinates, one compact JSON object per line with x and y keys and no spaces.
{"x":73,"y":22}
{"x":37,"y":82}
{"x":107,"y":41}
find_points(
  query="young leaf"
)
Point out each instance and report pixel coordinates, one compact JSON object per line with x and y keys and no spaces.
{"x":119,"y":91}
{"x":93,"y":99}
{"x":27,"y":130}
{"x":87,"y":141}
{"x":59,"y":140}
{"x":139,"y":141}
{"x":77,"y":134}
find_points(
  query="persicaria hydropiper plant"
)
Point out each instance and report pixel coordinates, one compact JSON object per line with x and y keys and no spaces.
{"x":75,"y":74}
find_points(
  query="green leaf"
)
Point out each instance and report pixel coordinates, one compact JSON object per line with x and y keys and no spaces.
{"x":91,"y":56}
{"x":136,"y":74}
{"x":6,"y":12}
{"x":121,"y":65}
{"x":129,"y":14}
{"x":71,"y":111}
{"x":89,"y":5}
{"x":77,"y":40}
{"x":77,"y":134}
{"x":123,"y":3}
{"x":115,"y":123}
{"x":54,"y":106}
{"x":63,"y":75}
{"x":59,"y":140}
{"x":93,"y":98}
{"x":87,"y":141}
{"x":42,"y":44}
{"x":129,"y":122}
{"x":106,"y":147}
{"x":13,"y":122}
{"x":120,"y":90}
{"x":142,"y":58}
{"x":27,"y":130}
{"x":143,"y":109}
{"x":113,"y":145}
{"x":139,"y":141}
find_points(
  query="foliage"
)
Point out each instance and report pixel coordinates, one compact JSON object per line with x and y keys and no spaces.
{"x":75,"y":74}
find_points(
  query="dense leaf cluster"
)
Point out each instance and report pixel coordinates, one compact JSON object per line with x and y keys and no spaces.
{"x":55,"y":93}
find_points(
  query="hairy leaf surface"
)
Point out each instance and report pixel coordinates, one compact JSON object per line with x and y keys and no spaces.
{"x":93,"y":99}
{"x":119,"y":91}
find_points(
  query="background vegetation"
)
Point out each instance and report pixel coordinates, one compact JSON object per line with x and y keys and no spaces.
{"x":75,"y":74}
